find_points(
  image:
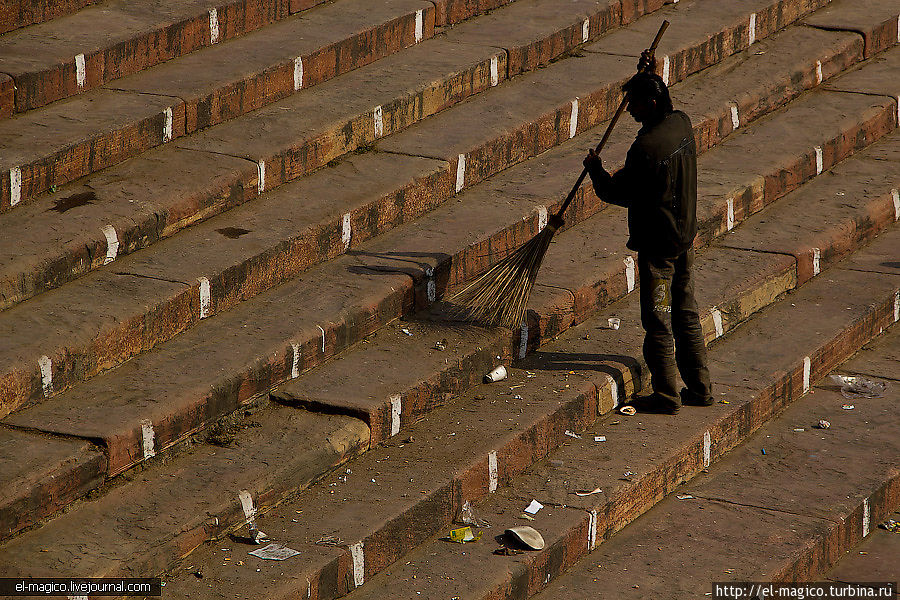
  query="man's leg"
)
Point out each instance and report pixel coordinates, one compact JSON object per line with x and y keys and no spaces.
{"x":656,"y":314}
{"x":690,"y":352}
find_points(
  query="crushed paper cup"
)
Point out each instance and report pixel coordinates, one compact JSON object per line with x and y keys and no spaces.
{"x":823,"y":424}
{"x":613,"y":322}
{"x":498,"y":374}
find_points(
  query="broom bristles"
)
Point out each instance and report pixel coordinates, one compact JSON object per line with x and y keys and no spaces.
{"x":499,"y":296}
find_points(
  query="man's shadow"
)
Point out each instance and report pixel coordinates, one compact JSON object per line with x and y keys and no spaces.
{"x":582,"y":362}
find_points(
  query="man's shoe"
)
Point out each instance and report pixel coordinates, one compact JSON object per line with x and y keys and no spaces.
{"x":689,"y":398}
{"x":654,"y":404}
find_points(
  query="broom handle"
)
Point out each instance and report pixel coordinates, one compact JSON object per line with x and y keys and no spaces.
{"x":609,"y":128}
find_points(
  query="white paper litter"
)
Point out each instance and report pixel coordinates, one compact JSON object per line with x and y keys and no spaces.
{"x":274,"y":552}
{"x":534,"y":507}
{"x":599,"y":438}
{"x":572,"y":434}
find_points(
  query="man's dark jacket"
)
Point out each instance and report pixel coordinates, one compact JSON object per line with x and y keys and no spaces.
{"x":658,"y":185}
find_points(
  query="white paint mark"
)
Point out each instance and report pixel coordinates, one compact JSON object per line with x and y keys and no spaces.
{"x":665,"y":75}
{"x":816,"y":261}
{"x":819,"y":76}
{"x":460,"y":172}
{"x":204,"y":297}
{"x":345,"y":231}
{"x":112,"y":243}
{"x":717,"y":322}
{"x":80,"y":72}
{"x":295,"y":365}
{"x":898,"y":29}
{"x":46,"y":366}
{"x":707,"y":448}
{"x":359,"y":564}
{"x":629,"y":273}
{"x":167,"y":126}
{"x":379,"y":122}
{"x":898,"y":110}
{"x":419,"y":25}
{"x":751,"y":30}
{"x":897,"y":307}
{"x":585,"y":31}
{"x":396,"y":409}
{"x":15,"y":186}
{"x":523,"y":339}
{"x":866,"y":519}
{"x":431,"y":290}
{"x":493,"y":478}
{"x":543,"y":216}
{"x":323,"y":338}
{"x":213,"y":26}
{"x":148,"y":438}
{"x":261,"y":177}
{"x":495,"y":71}
{"x":820,"y":161}
{"x":573,"y":119}
{"x":729,"y":214}
{"x":613,"y":391}
{"x":807,"y":373}
{"x":735,"y":119}
{"x":246,"y":501}
{"x":298,"y":73}
{"x":592,"y":531}
{"x":308,"y":588}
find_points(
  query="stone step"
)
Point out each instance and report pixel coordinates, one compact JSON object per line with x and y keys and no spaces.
{"x":102,"y":127}
{"x":877,"y":22}
{"x":811,"y":494}
{"x":759,"y":369}
{"x":873,"y":559}
{"x":182,"y":403}
{"x":21,"y":13}
{"x":232,"y":283}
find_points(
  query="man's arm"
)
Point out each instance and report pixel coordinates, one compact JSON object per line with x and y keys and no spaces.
{"x":621,"y":187}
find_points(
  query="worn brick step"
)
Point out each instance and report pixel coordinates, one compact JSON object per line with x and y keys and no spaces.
{"x":114,"y":38}
{"x":873,"y":559}
{"x":168,"y":509}
{"x":374,"y":541}
{"x":877,"y":22}
{"x":812,"y":496}
{"x":102,"y":127}
{"x":760,"y":367}
{"x":21,"y":13}
{"x":183,"y":307}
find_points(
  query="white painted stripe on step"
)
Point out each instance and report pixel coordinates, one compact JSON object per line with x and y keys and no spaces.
{"x":396,"y":409}
{"x":751,"y":29}
{"x":523,"y":339}
{"x":729,"y":214}
{"x":495,"y":71}
{"x":295,"y":363}
{"x":735,"y":118}
{"x":213,"y":26}
{"x":80,"y":72}
{"x":707,"y":448}
{"x":77,"y":597}
{"x":359,"y":563}
{"x":493,"y":478}
{"x":460,"y":172}
{"x":431,"y":290}
{"x":717,"y":322}
{"x":148,"y":438}
{"x":897,"y":306}
{"x":298,"y":73}
{"x":112,"y":243}
{"x":46,"y":366}
{"x":308,"y":588}
{"x":261,"y":177}
{"x":15,"y":186}
{"x":819,"y":76}
{"x":866,"y":518}
{"x":542,"y":217}
{"x":820,"y":162}
{"x":167,"y":125}
{"x":323,"y":338}
{"x":592,"y":530}
{"x":816,"y":261}
{"x":204,"y":297}
{"x":629,"y":273}
{"x":898,"y":110}
{"x":585,"y":31}
{"x":807,"y":373}
{"x":419,"y":25}
{"x":665,"y":75}
{"x":573,"y":119}
{"x":246,"y":501}
{"x":378,"y":116}
{"x":345,"y":231}
{"x":613,"y":391}
{"x":898,"y":29}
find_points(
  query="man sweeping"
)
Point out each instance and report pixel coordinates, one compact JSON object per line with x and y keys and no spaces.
{"x":658,"y":186}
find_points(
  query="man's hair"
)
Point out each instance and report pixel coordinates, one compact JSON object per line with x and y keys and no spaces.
{"x":650,"y":86}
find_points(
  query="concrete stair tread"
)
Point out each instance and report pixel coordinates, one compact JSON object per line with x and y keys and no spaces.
{"x":171,"y":507}
{"x":874,"y":78}
{"x":874,"y":559}
{"x":860,"y":17}
{"x":22,"y":13}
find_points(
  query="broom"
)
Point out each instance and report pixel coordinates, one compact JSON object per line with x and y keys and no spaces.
{"x":499,"y":296}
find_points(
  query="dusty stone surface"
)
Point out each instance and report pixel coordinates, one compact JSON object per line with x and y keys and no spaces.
{"x":876,"y":21}
{"x":875,"y":559}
